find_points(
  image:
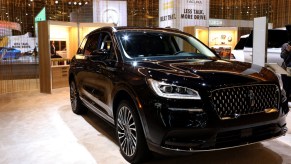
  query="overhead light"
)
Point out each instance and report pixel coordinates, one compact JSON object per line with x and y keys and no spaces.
{"x":56,"y":2}
{"x":80,"y":3}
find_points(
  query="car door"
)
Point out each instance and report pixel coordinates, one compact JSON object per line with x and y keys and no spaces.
{"x":100,"y":72}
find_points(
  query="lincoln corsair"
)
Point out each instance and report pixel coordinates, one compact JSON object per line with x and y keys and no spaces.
{"x":164,"y":91}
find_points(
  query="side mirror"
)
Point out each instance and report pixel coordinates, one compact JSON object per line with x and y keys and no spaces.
{"x":101,"y":52}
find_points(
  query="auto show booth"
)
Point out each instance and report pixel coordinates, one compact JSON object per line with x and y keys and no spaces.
{"x":65,"y":37}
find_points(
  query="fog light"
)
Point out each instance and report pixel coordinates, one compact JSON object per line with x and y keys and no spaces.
{"x":271,"y":110}
{"x":190,"y":110}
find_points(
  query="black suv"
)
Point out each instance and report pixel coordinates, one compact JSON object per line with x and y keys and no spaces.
{"x":167,"y":92}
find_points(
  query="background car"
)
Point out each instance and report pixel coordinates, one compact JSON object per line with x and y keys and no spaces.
{"x":243,"y":51}
{"x":9,"y":53}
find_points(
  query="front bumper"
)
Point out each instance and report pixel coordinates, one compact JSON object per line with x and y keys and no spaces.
{"x":183,"y":132}
{"x":187,"y":141}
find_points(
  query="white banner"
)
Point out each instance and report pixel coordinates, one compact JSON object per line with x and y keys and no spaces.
{"x":181,"y":13}
{"x":110,"y":12}
{"x":24,"y":43}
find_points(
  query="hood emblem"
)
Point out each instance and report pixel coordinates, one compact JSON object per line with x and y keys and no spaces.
{"x":251,"y":98}
{"x":236,"y":116}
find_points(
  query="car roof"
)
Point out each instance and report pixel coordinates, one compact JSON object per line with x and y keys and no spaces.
{"x":128,"y":28}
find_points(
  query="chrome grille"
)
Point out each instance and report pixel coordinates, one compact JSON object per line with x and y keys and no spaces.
{"x":232,"y":102}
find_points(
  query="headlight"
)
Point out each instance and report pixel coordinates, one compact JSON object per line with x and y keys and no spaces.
{"x":173,"y":91}
{"x":280,"y":81}
{"x":283,"y":92}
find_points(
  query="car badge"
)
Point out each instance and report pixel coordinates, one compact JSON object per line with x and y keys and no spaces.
{"x":236,"y":115}
{"x":252,"y":98}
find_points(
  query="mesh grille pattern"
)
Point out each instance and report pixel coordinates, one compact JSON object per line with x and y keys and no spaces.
{"x":243,"y":100}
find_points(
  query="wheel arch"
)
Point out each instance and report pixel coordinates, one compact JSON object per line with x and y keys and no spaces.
{"x":125,"y":95}
{"x":119,"y":96}
{"x":71,"y":77}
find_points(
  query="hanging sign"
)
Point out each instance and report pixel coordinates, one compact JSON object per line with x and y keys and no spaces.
{"x":110,"y":12}
{"x":181,"y":13}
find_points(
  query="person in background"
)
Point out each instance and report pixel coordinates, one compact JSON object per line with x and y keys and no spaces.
{"x":53,"y":48}
{"x":286,"y":56}
{"x":53,"y":51}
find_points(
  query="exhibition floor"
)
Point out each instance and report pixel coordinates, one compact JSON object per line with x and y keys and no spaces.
{"x":41,"y":128}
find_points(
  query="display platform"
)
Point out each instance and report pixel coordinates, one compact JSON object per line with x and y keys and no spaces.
{"x":46,"y":130}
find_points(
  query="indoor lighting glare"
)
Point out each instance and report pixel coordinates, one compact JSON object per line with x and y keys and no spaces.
{"x":125,"y":37}
{"x":70,"y":3}
{"x":56,"y":2}
{"x":134,"y":63}
{"x":75,"y":3}
{"x":80,"y":3}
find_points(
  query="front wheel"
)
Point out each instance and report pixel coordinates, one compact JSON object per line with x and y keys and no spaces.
{"x":131,"y":139}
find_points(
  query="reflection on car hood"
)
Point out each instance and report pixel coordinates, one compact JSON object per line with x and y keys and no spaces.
{"x":213,"y":73}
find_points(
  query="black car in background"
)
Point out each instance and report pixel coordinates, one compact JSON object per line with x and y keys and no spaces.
{"x":167,"y":92}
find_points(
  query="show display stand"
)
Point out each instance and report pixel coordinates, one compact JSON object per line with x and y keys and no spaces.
{"x":221,"y":39}
{"x":66,"y":36}
{"x":60,"y":75}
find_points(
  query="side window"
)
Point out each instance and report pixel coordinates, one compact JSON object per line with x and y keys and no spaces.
{"x":82,"y":46}
{"x":92,"y":44}
{"x":106,"y":42}
{"x":107,"y":45}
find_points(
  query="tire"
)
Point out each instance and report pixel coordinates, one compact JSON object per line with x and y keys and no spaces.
{"x":76,"y":103}
{"x":130,"y":136}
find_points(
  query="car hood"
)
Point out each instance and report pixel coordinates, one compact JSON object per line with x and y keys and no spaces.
{"x":211,"y":73}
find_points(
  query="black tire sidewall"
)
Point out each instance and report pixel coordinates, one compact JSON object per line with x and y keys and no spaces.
{"x":141,"y":148}
{"x":79,"y":107}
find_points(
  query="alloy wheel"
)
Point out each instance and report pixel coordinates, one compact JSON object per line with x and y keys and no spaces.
{"x":73,"y":96}
{"x":126,"y":129}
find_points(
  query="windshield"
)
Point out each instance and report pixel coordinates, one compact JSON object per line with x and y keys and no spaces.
{"x":149,"y":45}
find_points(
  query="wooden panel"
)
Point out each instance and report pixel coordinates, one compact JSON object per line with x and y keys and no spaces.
{"x":73,"y":43}
{"x":44,"y":58}
{"x":60,"y":75}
